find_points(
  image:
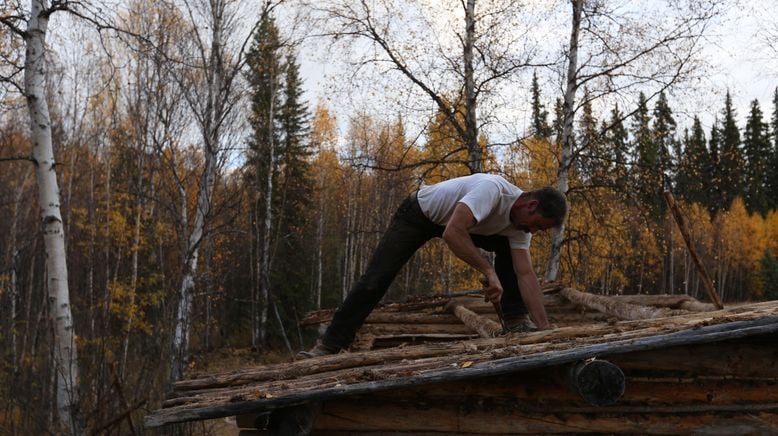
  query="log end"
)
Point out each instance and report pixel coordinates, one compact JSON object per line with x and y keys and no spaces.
{"x":599,"y":382}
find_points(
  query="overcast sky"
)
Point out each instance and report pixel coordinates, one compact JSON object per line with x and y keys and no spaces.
{"x":736,"y":49}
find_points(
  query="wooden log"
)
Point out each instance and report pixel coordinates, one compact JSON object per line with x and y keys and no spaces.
{"x":503,"y":419}
{"x":561,"y":335}
{"x":599,"y":382}
{"x":522,"y":362}
{"x":485,"y":327}
{"x":706,"y":281}
{"x":413,"y":329}
{"x":615,"y":308}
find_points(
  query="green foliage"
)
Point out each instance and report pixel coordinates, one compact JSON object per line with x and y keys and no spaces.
{"x":731,"y":166}
{"x":758,"y":154}
{"x":769,"y":273}
{"x":540,"y":127}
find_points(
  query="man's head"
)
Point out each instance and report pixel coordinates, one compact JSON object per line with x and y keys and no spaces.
{"x":540,"y":209}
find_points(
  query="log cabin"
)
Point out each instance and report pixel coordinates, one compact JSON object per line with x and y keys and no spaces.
{"x":639,"y":364}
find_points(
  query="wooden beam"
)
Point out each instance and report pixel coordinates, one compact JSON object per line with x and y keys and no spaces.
{"x":706,"y":281}
{"x":616,"y":308}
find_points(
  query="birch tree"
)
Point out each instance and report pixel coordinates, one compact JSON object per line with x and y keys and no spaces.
{"x":209,"y":88}
{"x":65,"y":354}
{"x":455,"y":55}
{"x":614,"y":51}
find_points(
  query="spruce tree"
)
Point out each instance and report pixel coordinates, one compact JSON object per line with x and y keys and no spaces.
{"x":756,"y":145}
{"x":694,"y":166}
{"x":731,"y":162}
{"x":293,"y":193}
{"x":647,"y":179}
{"x":593,"y":161}
{"x":715,"y":191}
{"x":664,"y":137}
{"x":617,"y":140}
{"x":772,"y":173}
{"x":540,"y":127}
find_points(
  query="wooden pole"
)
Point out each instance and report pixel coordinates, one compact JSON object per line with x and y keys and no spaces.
{"x":714,"y":298}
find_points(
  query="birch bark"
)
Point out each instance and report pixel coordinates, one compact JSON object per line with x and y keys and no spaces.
{"x":568,"y":139}
{"x":65,"y":353}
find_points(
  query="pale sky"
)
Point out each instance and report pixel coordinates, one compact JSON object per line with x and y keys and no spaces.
{"x":735,"y":49}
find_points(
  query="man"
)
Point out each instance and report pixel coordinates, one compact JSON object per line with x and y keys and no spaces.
{"x":471,"y":212}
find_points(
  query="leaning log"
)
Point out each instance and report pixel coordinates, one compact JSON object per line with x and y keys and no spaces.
{"x":616,"y":308}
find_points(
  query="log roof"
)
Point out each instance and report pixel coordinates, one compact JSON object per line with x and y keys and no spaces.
{"x":421,"y":342}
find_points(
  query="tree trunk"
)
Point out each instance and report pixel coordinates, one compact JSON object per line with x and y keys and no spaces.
{"x":474,"y":157}
{"x":264,"y":267}
{"x":568,"y":138}
{"x":65,"y":354}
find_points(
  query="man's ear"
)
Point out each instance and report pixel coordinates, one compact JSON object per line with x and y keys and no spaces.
{"x":532,"y":205}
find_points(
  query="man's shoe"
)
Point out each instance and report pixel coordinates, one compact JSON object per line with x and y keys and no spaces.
{"x":318,"y":350}
{"x":521,"y":324}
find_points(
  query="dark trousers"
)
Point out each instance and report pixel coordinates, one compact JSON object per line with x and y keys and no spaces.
{"x":407,"y":232}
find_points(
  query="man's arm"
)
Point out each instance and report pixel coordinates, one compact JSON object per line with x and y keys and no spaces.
{"x":530,"y":289}
{"x":459,"y":242}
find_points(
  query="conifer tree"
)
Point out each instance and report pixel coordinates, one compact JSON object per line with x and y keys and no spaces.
{"x":715,"y":196}
{"x":263,"y":60}
{"x":293,"y":193}
{"x":693,"y":166}
{"x":664,"y":136}
{"x":617,"y":141}
{"x":540,"y":127}
{"x":593,"y":161}
{"x":772,"y":173}
{"x":756,"y":145}
{"x":731,"y":162}
{"x":648,"y":179}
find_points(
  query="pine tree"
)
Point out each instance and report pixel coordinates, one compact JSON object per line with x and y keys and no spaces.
{"x":540,"y":127}
{"x":756,"y":145}
{"x":731,"y":162}
{"x":693,"y":167}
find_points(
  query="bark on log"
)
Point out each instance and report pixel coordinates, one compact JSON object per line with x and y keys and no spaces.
{"x":485,"y":327}
{"x":615,"y":308}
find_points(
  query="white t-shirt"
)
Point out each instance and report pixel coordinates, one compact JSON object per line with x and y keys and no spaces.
{"x":489,"y":197}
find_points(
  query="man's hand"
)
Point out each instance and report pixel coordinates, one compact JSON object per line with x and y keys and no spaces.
{"x":492,"y":289}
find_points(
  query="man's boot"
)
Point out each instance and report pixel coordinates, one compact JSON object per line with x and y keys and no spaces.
{"x":520,"y":324}
{"x":320,"y":349}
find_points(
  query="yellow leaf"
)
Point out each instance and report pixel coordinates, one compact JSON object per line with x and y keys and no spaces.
{"x":467,"y":364}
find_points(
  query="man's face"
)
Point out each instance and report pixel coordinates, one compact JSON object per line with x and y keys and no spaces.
{"x":528,"y":219}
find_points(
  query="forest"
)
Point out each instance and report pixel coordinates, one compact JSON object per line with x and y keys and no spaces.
{"x":171,"y":194}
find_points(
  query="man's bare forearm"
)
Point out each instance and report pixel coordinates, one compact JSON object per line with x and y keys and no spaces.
{"x":460,"y":243}
{"x":533,"y":299}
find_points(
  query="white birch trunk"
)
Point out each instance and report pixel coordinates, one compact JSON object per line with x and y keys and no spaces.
{"x":475,"y":159}
{"x":212,"y":116}
{"x":65,"y":353}
{"x":264,"y":271}
{"x":568,"y":138}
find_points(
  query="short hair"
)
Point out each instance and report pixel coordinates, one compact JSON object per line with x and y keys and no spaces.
{"x":551,"y":204}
